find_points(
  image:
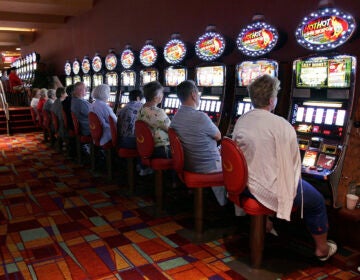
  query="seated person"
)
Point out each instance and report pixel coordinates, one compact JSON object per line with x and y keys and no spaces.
{"x":42,"y":100}
{"x":156,"y":118}
{"x":16,"y":84}
{"x":198,"y":135}
{"x":35,"y":100}
{"x":101,"y":94}
{"x":80,"y":107}
{"x":271,"y":150}
{"x":66,"y":105}
{"x":50,"y":100}
{"x":126,"y":120}
{"x":57,"y":109}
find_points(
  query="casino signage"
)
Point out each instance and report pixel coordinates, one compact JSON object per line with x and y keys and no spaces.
{"x":127,"y":58}
{"x":148,"y":55}
{"x":210,"y":46}
{"x":67,"y":68}
{"x":76,"y":67}
{"x":110,"y":61}
{"x":175,"y":51}
{"x":85,"y":66}
{"x":257,"y":39}
{"x":325,"y":29}
{"x":96,"y":63}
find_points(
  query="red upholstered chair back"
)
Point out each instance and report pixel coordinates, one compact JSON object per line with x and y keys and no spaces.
{"x":177,"y":152}
{"x":33,"y":115}
{"x":96,"y":129}
{"x":113,"y":130}
{"x":65,"y":120}
{"x":76,"y":124}
{"x":144,"y":139}
{"x":46,"y":120}
{"x":55,"y":120}
{"x":235,"y":171}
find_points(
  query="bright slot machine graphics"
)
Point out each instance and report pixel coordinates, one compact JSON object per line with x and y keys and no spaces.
{"x":68,"y":78}
{"x":76,"y":71}
{"x":86,"y":78}
{"x":128,"y":75}
{"x":97,"y":67}
{"x":174,"y":53}
{"x":111,"y":76}
{"x":255,"y":40}
{"x":148,"y":58}
{"x":322,"y":98}
{"x":210,"y":76}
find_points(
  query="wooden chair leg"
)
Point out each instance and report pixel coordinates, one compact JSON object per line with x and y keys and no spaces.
{"x":130,"y":175}
{"x":159,"y":191}
{"x":257,"y":235}
{"x":198,"y":206}
{"x":92,"y":156}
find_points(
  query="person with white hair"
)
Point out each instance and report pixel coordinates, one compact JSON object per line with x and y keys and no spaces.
{"x":51,"y":98}
{"x":101,"y":94}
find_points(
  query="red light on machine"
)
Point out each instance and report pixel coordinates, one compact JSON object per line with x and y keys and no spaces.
{"x":316,"y":129}
{"x":327,"y":132}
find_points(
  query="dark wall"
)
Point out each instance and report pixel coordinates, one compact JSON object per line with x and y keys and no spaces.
{"x":114,"y":23}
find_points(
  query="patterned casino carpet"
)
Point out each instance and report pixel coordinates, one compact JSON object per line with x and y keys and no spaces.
{"x":57,"y":222}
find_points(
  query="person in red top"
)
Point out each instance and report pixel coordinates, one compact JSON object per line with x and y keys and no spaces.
{"x":42,"y":100}
{"x":14,"y":80}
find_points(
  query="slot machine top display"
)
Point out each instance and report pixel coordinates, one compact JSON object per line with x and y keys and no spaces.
{"x":148,"y":57}
{"x":127,"y":76}
{"x":111,"y":64}
{"x":86,"y":67}
{"x":67,"y":69}
{"x":323,"y":90}
{"x":97,"y":67}
{"x":76,"y":71}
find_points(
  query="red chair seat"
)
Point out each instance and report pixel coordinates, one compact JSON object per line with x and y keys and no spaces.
{"x":85,"y":139}
{"x":127,"y":153}
{"x":161,"y":163}
{"x":253,"y":207}
{"x":198,"y":180}
{"x":71,"y":133}
{"x":107,"y":145}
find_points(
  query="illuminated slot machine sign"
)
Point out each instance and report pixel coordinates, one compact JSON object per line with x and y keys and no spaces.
{"x":210,"y":78}
{"x":86,"y":78}
{"x":322,"y":93}
{"x":174,"y":53}
{"x":254,"y":40}
{"x":97,"y":67}
{"x":148,"y":57}
{"x":111,"y":76}
{"x":76,"y":71}
{"x":127,"y":76}
{"x":68,"y":78}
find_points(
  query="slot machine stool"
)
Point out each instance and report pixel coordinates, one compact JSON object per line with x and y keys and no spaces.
{"x":96,"y":131}
{"x":195,"y":181}
{"x":82,"y":139}
{"x":55,"y":133}
{"x":129,"y":154}
{"x":235,"y":174}
{"x":145,"y":146}
{"x":71,"y":134}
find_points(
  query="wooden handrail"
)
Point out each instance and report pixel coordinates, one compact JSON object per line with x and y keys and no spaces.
{"x":5,"y":106}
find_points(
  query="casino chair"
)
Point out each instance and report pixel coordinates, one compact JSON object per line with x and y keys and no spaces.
{"x":55,"y":134}
{"x":195,"y":181}
{"x":82,"y":139}
{"x":46,"y":125}
{"x":33,"y":116}
{"x":145,"y":146}
{"x":70,"y":133}
{"x":129,"y":154}
{"x":96,"y":131}
{"x":235,"y":174}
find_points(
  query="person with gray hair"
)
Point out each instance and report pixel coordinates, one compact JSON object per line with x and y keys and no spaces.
{"x":49,"y":102}
{"x":101,"y":94}
{"x":270,"y":147}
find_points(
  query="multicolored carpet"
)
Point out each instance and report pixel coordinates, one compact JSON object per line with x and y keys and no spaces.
{"x":57,"y":221}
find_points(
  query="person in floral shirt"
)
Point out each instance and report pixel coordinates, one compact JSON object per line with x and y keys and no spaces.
{"x":156,"y":118}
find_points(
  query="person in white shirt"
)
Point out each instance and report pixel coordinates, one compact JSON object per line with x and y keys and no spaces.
{"x":271,"y":150}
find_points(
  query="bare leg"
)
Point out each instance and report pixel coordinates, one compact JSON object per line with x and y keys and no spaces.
{"x":322,"y":248}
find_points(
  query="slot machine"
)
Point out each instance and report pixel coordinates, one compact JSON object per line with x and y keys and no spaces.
{"x":86,"y":78}
{"x":322,"y":98}
{"x":98,"y":68}
{"x":210,"y":77}
{"x":174,"y":53}
{"x":68,"y":78}
{"x":111,"y":76}
{"x":148,"y":58}
{"x":128,"y":75}
{"x":255,"y":40}
{"x":76,"y":71}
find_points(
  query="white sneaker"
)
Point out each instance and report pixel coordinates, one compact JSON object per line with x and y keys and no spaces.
{"x":146,"y":171}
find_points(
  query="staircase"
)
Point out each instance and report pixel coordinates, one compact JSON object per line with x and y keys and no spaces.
{"x":20,"y":121}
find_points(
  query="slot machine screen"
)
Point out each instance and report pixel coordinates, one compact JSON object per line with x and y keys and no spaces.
{"x":97,"y":80}
{"x":124,"y":98}
{"x":210,"y":76}
{"x":309,"y":158}
{"x":248,"y":71}
{"x":174,"y":76}
{"x":324,"y":73}
{"x":128,"y":79}
{"x":112,"y":79}
{"x":148,"y":76}
{"x":243,"y":107}
{"x":326,"y":161}
{"x":87,"y":81}
{"x":68,"y":81}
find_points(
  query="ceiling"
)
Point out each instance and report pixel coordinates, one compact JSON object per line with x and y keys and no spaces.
{"x":21,"y":19}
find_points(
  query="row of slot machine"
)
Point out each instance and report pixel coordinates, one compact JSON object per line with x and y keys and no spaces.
{"x":26,"y":67}
{"x":321,"y":94}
